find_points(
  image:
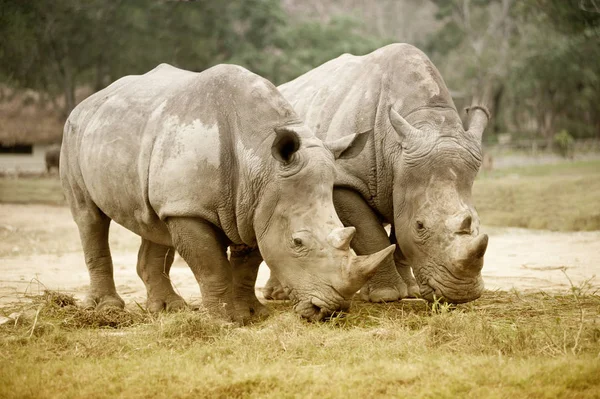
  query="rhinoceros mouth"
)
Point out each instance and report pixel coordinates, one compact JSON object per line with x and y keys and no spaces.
{"x":444,"y":286}
{"x":312,"y":312}
{"x":314,"y":308}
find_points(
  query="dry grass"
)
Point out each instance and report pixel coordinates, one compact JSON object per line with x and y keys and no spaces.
{"x":502,"y":345}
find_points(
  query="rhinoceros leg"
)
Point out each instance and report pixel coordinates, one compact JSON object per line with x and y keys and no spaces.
{"x":245,"y":262}
{"x":93,"y":230}
{"x":386,"y":285}
{"x":153,"y":266}
{"x":204,"y":247}
{"x":404,"y":269}
{"x":93,"y":226}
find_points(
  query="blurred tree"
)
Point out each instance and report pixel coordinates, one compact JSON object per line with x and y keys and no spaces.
{"x":45,"y":47}
{"x":55,"y":47}
{"x":557,"y":77}
{"x":534,"y":62}
{"x":304,"y":46}
{"x":473,"y":49}
{"x":405,"y":21}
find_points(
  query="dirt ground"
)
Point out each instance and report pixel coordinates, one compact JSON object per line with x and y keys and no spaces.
{"x":40,"y":248}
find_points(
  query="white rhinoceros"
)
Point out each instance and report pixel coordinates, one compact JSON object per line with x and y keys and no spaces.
{"x":198,"y":162}
{"x":415,"y":173}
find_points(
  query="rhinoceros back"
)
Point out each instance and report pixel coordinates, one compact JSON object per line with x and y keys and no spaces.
{"x":353,"y":94}
{"x":152,"y":146}
{"x":345,"y":95}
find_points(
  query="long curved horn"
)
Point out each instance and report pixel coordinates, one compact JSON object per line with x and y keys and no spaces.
{"x":472,"y":262}
{"x":479,"y":118}
{"x":360,"y":269}
{"x":402,"y":127}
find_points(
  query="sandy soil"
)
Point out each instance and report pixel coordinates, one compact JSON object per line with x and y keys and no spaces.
{"x":39,"y":248}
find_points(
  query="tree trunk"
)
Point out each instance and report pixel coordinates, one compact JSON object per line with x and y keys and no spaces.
{"x":482,"y":94}
{"x":50,"y":95}
{"x":495,"y":107}
{"x":547,"y":127}
{"x":69,"y":91}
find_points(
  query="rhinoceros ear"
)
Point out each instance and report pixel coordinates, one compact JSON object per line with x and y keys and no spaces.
{"x":348,"y":146}
{"x":404,"y":129}
{"x":285,"y":145}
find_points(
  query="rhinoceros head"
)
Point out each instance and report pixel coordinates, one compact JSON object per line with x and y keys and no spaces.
{"x":436,"y":224}
{"x":299,"y":233}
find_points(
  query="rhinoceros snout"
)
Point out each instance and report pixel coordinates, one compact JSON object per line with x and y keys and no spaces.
{"x":449,"y":293}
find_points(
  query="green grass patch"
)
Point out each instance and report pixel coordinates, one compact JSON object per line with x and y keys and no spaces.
{"x":31,"y":190}
{"x":502,"y":345}
{"x":559,"y":197}
{"x":566,"y":168}
{"x":562,"y":197}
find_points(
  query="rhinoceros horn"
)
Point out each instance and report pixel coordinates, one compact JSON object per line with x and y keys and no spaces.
{"x":473,"y":260}
{"x":360,"y":269}
{"x":402,"y":127}
{"x":476,"y":248}
{"x":340,"y":238}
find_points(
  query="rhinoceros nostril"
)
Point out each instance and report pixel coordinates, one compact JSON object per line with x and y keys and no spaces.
{"x":465,"y":225}
{"x":315,"y":313}
{"x":344,"y":306}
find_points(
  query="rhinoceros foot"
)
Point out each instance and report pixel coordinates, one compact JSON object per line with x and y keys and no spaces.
{"x":103,"y":302}
{"x":274,"y":291}
{"x":170,"y":303}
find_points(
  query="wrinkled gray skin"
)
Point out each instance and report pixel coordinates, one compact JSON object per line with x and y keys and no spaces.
{"x":415,"y":173}
{"x":52,"y":157}
{"x":198,"y":162}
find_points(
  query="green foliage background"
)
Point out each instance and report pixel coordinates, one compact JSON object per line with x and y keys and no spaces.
{"x":535,"y":63}
{"x":56,"y":46}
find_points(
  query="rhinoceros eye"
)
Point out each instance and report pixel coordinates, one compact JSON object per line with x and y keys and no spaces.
{"x":420,"y":225}
{"x":302,"y":242}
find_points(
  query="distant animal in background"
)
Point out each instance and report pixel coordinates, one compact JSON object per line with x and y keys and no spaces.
{"x":52,"y":157}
